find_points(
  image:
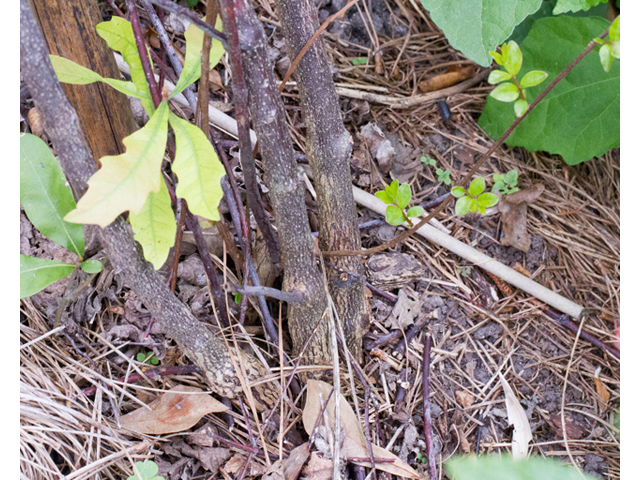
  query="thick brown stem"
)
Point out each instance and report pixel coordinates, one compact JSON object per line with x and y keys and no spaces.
{"x":328,"y":149}
{"x":63,"y":127}
{"x":284,"y":181}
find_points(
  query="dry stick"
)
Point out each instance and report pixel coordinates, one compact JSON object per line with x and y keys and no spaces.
{"x":177,"y":245}
{"x":202,"y":115}
{"x":156,"y":96}
{"x":403,"y":236}
{"x":193,"y":18}
{"x":367,"y":430}
{"x":426,"y":406}
{"x":241,"y":102}
{"x":322,"y":28}
{"x":571,"y":326}
{"x":290,"y":297}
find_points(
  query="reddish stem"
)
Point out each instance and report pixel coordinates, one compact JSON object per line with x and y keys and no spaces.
{"x":426,"y":407}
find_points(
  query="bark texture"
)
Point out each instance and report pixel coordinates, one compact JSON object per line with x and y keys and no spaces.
{"x":285,"y":184}
{"x":328,"y":147}
{"x":105,"y":114}
{"x":193,"y":337}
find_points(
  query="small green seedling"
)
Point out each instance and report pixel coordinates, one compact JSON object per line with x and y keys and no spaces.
{"x":473,"y":200}
{"x":428,"y":161}
{"x":509,"y":88}
{"x":146,"y":471}
{"x":610,"y":49}
{"x":505,"y":184}
{"x":420,"y":458}
{"x":148,"y":358}
{"x":397,"y":197}
{"x":464,"y":271}
{"x":443,"y":176}
{"x":359,"y":61}
{"x":46,"y":198}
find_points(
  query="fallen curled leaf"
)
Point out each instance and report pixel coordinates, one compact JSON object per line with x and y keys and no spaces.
{"x":404,"y":311}
{"x":318,"y":468}
{"x":514,"y":216}
{"x":355,"y":443}
{"x":296,"y":460}
{"x":465,"y":398}
{"x":173,"y":411}
{"x":518,"y":418}
{"x":454,"y":74}
{"x":574,"y":430}
{"x":235,"y":463}
{"x":379,"y":146}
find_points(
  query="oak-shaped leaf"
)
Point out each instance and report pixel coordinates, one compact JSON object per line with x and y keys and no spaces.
{"x":124,"y":181}
{"x":173,"y":411}
{"x":355,"y":443}
{"x":154,"y":226}
{"x":198,"y":169}
{"x":45,"y":195}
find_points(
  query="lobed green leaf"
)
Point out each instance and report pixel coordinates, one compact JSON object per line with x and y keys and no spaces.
{"x":147,"y":470}
{"x":497,"y":57}
{"x":124,"y":181}
{"x":38,"y":273}
{"x":511,"y":177}
{"x":45,"y":195}
{"x":154,"y":226}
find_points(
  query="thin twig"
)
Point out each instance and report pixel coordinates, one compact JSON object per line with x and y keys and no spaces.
{"x":193,"y":18}
{"x":571,"y":326}
{"x":403,"y":236}
{"x":176,"y":250}
{"x":426,"y":407}
{"x":294,"y":296}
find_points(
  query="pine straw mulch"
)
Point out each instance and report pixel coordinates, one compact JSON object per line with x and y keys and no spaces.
{"x":477,"y":328}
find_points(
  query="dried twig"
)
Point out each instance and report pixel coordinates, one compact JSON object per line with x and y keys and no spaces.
{"x":426,"y":406}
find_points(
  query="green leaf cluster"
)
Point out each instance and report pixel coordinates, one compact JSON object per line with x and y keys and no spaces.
{"x":133,"y":181}
{"x":610,"y":48}
{"x":506,"y":468}
{"x":397,"y":197}
{"x":359,"y":61}
{"x":509,"y":89}
{"x":580,"y":118}
{"x":505,"y":184}
{"x":443,"y":175}
{"x":46,"y":198}
{"x":473,"y":199}
{"x":147,"y":471}
{"x":148,"y":358}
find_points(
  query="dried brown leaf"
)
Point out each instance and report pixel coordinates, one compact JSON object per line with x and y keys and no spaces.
{"x":319,"y":468}
{"x":173,"y":411}
{"x":574,"y":430}
{"x":454,"y":74}
{"x":355,"y":443}
{"x":603,"y":394}
{"x":404,"y":311}
{"x":235,"y":463}
{"x":465,"y":398}
{"x":514,"y":216}
{"x":518,"y":418}
{"x":379,"y":146}
{"x":294,"y":463}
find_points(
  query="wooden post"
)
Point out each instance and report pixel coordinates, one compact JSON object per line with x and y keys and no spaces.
{"x":69,"y":30}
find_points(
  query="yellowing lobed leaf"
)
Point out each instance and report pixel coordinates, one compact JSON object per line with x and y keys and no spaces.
{"x":154,"y":226}
{"x":198,"y":169}
{"x":70,"y":72}
{"x":192,"y":58}
{"x":118,"y":34}
{"x":124,"y":181}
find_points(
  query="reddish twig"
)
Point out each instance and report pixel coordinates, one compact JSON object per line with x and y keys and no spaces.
{"x":426,"y":407}
{"x":568,"y":324}
{"x":193,"y":18}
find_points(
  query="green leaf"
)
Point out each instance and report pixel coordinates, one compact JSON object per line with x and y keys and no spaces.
{"x":497,"y":57}
{"x":147,"y":470}
{"x":359,"y":61}
{"x":404,"y":195}
{"x":428,"y":161}
{"x":477,"y":186}
{"x":533,"y":78}
{"x":520,"y":106}
{"x":91,"y":266}
{"x":499,"y":186}
{"x":415,"y":211}
{"x":473,"y":205}
{"x":513,"y":61}
{"x":45,"y":195}
{"x":498,"y":76}
{"x":193,"y":56}
{"x":154,"y":226}
{"x":198,"y":169}
{"x":70,"y":72}
{"x":606,"y":56}
{"x":614,"y":30}
{"x":384,"y":196}
{"x":392,"y":189}
{"x":564,"y":6}
{"x":394,"y":215}
{"x":580,"y":118}
{"x":124,"y":181}
{"x":505,"y":468}
{"x":118,"y":34}
{"x":477,"y":27}
{"x":511,"y":177}
{"x":141,"y":357}
{"x":487,"y":200}
{"x":462,"y":206}
{"x":458,"y":192}
{"x":192,"y":3}
{"x":38,"y":273}
{"x":498,"y":177}
{"x":154,"y":360}
{"x":505,"y":92}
